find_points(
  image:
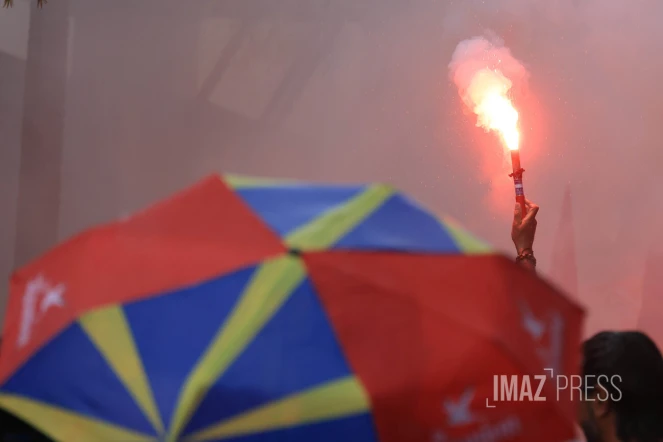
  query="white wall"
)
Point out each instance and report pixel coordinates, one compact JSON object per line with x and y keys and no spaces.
{"x":14,"y":25}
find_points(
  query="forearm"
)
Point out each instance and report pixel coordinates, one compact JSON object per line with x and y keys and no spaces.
{"x":528,"y":265}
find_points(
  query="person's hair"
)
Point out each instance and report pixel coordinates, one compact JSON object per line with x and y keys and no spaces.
{"x":635,"y":359}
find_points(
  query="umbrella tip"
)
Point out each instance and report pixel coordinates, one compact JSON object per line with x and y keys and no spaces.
{"x":294,"y":252}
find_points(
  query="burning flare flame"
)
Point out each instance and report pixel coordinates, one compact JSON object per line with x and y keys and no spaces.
{"x":487,"y":95}
{"x":483,"y":70}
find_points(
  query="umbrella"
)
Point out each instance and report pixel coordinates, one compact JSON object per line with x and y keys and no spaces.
{"x":245,"y":309}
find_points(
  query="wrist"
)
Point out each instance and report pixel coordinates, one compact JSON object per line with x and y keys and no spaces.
{"x":526,"y":256}
{"x":524,"y":250}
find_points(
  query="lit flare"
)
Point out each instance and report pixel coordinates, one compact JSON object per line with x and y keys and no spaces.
{"x":487,"y":94}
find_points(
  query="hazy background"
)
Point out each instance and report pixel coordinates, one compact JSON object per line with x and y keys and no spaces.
{"x":160,"y":93}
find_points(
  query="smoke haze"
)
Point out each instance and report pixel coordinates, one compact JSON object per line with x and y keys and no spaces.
{"x":483,"y":53}
{"x":160,"y":93}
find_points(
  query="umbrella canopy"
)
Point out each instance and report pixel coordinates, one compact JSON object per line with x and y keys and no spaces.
{"x":252,"y":310}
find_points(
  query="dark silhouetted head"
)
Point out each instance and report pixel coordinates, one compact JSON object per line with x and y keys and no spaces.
{"x":623,"y":397}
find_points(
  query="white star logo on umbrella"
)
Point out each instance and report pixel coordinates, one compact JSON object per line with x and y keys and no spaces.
{"x":39,"y":293}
